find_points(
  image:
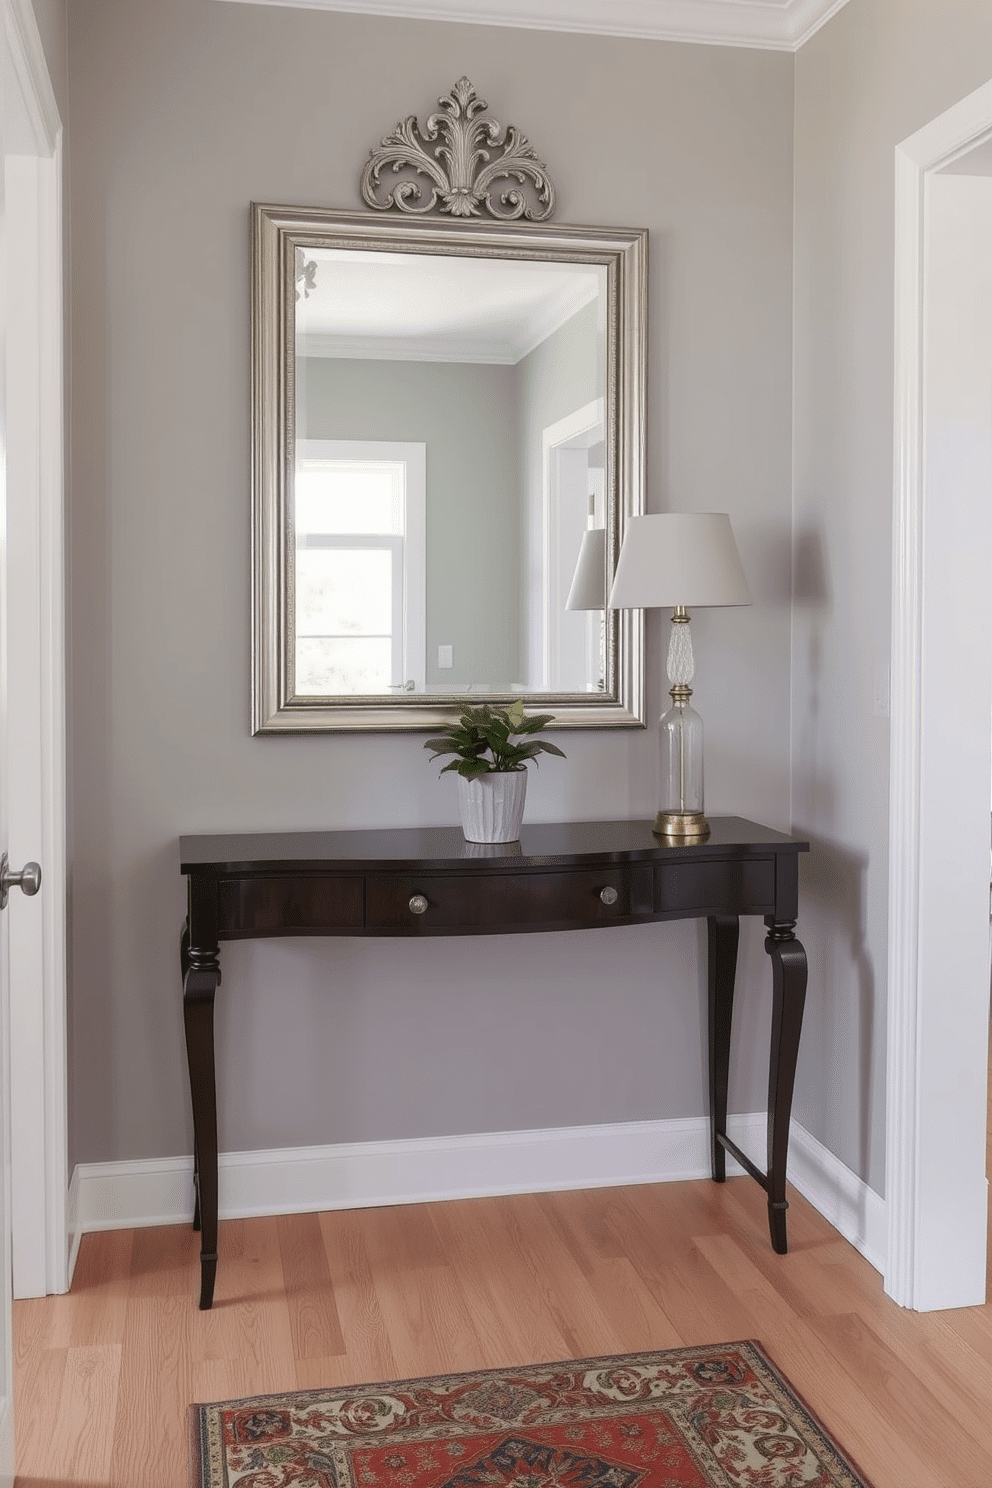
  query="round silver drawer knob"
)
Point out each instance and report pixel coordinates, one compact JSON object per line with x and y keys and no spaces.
{"x":418,"y":904}
{"x":609,"y":895}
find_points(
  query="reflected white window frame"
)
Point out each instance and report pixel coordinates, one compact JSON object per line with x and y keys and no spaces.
{"x":411,"y":633}
{"x":361,"y":542}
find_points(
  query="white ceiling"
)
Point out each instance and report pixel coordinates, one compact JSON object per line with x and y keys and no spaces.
{"x":412,"y":307}
{"x":778,"y":25}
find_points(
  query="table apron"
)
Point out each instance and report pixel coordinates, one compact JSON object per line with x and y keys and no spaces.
{"x":386,"y":903}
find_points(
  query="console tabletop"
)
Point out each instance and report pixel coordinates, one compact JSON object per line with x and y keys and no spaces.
{"x":559,"y":876}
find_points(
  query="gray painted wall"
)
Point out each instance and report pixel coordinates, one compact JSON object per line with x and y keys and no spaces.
{"x":466,"y":414}
{"x":879,"y":71}
{"x":180,"y":113}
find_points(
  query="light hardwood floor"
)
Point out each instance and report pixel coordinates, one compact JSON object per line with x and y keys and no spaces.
{"x":104,"y":1377}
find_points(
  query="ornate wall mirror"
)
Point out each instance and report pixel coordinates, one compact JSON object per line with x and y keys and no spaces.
{"x":442,"y":411}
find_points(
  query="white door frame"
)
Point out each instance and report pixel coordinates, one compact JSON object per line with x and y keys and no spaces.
{"x":585,"y":421}
{"x":36,"y":663}
{"x":936,"y":1190}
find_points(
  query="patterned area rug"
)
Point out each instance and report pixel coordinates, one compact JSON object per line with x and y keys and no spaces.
{"x":684,"y":1418}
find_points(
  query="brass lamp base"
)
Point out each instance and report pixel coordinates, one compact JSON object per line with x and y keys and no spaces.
{"x":680,"y":827}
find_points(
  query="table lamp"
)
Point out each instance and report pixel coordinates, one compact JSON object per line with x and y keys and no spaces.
{"x":679,"y":560}
{"x":588,"y":591}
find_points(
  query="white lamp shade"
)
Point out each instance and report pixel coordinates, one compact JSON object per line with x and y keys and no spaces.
{"x":588,"y":591}
{"x":679,"y":558}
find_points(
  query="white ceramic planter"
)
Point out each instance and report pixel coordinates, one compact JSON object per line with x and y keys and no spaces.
{"x":492,"y":806}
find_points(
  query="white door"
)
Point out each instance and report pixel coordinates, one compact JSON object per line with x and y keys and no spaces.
{"x":32,"y":727}
{"x":6,"y":1347}
{"x":6,"y":1344}
{"x":32,"y":760}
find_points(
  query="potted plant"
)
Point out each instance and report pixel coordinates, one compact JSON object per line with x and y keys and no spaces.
{"x":491,"y":767}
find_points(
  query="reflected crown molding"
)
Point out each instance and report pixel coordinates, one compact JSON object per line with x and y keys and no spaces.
{"x":773,"y":25}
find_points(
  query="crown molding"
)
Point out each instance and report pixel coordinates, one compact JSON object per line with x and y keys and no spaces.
{"x":772,"y":25}
{"x":41,"y":112}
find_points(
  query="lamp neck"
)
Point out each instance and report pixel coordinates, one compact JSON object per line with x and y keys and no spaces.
{"x":680,"y":660}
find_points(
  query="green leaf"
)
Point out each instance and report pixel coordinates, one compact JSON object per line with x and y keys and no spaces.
{"x":470,"y":769}
{"x":538,"y":721}
{"x":482,"y":742}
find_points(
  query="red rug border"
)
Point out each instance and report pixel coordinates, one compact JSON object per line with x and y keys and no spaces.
{"x":196,"y":1452}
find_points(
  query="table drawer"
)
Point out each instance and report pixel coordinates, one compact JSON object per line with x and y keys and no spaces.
{"x":289,"y":905}
{"x":498,"y":902}
{"x":745,"y":885}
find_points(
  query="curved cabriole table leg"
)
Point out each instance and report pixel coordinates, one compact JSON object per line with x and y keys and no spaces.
{"x":200,"y":983}
{"x":788,"y":1001}
{"x":183,"y":970}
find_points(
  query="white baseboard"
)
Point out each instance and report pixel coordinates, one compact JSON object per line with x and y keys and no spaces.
{"x":124,"y":1195}
{"x":73,"y":1221}
{"x":837,"y":1193}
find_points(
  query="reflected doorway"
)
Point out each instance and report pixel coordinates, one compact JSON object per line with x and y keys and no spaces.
{"x":573,"y":642}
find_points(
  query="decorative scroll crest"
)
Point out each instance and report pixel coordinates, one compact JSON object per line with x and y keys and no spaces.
{"x":463,"y":168}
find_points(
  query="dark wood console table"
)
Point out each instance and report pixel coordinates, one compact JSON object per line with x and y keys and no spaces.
{"x":560,"y":876}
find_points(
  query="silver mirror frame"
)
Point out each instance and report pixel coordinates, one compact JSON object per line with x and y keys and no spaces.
{"x":276,"y":234}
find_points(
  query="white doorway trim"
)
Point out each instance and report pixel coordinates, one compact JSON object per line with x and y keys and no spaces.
{"x":935,"y":1065}
{"x":576,"y":430}
{"x":36,"y":667}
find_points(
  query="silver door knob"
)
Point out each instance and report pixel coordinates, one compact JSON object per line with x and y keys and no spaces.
{"x":418,"y":904}
{"x":609,"y":895}
{"x":28,"y":880}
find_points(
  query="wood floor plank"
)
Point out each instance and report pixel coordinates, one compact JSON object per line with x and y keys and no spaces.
{"x":86,"y":1414}
{"x":894,"y":1424}
{"x":369,"y":1354}
{"x":37,"y":1391}
{"x":249,"y":1326}
{"x":313,"y":1313}
{"x":971,"y":1326}
{"x":424,"y":1310}
{"x":587,"y":1223}
{"x":150,"y":1443}
{"x":514,"y":1333}
{"x":571,"y":1299}
{"x":234,"y":1379}
{"x":101,"y":1299}
{"x":699,"y":1305}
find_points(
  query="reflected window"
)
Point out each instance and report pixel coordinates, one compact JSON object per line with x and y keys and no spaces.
{"x":359,"y":587}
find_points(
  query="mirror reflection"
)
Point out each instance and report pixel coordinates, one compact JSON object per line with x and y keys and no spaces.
{"x":450,"y":456}
{"x":442,"y":414}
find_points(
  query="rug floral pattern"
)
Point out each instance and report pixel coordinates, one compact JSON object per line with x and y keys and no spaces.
{"x":714,"y":1417}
